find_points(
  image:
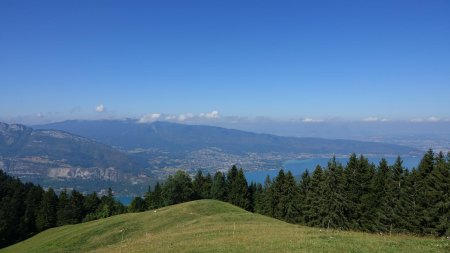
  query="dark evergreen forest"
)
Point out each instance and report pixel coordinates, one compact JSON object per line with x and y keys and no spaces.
{"x":358,"y":196}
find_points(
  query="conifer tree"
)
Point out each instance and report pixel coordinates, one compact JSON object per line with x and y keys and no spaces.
{"x":383,"y":196}
{"x":218,"y":188}
{"x":398,"y":183}
{"x":138,"y":205}
{"x":237,"y":188}
{"x":46,"y":217}
{"x":64,"y":210}
{"x":304,"y":188}
{"x":314,"y":205}
{"x":198,"y":185}
{"x":177,"y":188}
{"x":335,"y":204}
{"x":154,"y":199}
{"x":290,"y":199}
{"x":267,"y":198}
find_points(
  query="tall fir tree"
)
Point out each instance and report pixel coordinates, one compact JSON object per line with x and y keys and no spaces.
{"x":46,"y":217}
{"x":314,"y":204}
{"x":218,"y":187}
{"x":335,"y":204}
{"x":237,"y":188}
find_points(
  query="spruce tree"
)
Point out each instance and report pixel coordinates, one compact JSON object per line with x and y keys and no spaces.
{"x":198,"y":185}
{"x":64,"y":210}
{"x":137,"y":205}
{"x":398,"y":183}
{"x":335,"y":205}
{"x":218,"y":188}
{"x":46,"y":217}
{"x":314,"y":205}
{"x":177,"y":188}
{"x":383,"y":198}
{"x":304,"y":188}
{"x":237,"y":188}
{"x":278,"y":192}
{"x":290,"y":199}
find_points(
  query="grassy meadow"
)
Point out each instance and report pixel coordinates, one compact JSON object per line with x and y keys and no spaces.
{"x":213,"y":226}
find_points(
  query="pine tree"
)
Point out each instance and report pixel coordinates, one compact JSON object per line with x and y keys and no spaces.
{"x":91,"y":203}
{"x":278,"y":191}
{"x":410,"y":211}
{"x":314,"y":204}
{"x":138,"y":205}
{"x":64,"y":213}
{"x":46,"y":217}
{"x":439,"y":185}
{"x":359,"y":174}
{"x":177,"y":188}
{"x":218,"y":188}
{"x":198,"y":185}
{"x":32,"y":204}
{"x":426,"y":194}
{"x":77,"y":206}
{"x":267,"y":198}
{"x":335,"y":204}
{"x":383,"y":197}
{"x":304,"y":188}
{"x":398,"y":183}
{"x":290,"y":199}
{"x":237,"y":188}
{"x":258,"y":199}
{"x":154,"y":199}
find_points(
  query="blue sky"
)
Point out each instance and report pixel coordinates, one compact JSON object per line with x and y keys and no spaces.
{"x":316,"y":60}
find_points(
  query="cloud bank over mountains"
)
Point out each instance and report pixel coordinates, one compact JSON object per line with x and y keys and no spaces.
{"x":152,"y":117}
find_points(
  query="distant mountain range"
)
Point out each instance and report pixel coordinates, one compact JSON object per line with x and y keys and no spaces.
{"x":87,"y":154}
{"x":172,"y":137}
{"x":59,"y":154}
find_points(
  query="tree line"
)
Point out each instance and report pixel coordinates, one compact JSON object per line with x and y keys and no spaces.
{"x":357,"y":196}
{"x":26,"y":209}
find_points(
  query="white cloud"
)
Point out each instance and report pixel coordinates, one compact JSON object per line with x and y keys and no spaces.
{"x":209,"y":115}
{"x":100,"y":108}
{"x":433,"y":119}
{"x":370,"y":119}
{"x":171,"y":117}
{"x":149,"y":118}
{"x":385,"y":120}
{"x":429,"y":119}
{"x":310,"y":120}
{"x":183,"y":117}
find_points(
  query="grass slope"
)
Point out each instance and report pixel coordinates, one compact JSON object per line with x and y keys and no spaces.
{"x":212,"y":226}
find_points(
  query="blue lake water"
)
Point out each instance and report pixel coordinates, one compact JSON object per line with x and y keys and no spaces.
{"x":297,"y":167}
{"x":126,"y":200}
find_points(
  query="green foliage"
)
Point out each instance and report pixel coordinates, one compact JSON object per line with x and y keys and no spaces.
{"x":357,"y":196}
{"x":137,"y":205}
{"x":177,"y":188}
{"x":26,"y":209}
{"x":218,"y":188}
{"x":46,"y":216}
{"x":237,"y":188}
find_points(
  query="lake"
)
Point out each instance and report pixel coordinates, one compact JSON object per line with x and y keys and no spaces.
{"x":297,"y":167}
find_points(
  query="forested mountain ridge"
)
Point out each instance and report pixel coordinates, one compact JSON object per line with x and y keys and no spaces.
{"x":59,"y":154}
{"x":175,"y":137}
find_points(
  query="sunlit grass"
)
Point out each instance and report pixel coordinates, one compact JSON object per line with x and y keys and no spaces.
{"x":213,"y":226}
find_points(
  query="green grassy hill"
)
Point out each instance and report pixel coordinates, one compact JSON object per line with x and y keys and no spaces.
{"x":213,"y":226}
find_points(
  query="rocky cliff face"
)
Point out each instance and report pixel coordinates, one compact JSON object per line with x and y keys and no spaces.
{"x":59,"y":155}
